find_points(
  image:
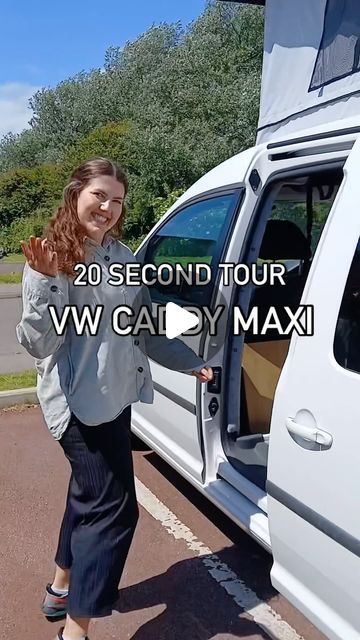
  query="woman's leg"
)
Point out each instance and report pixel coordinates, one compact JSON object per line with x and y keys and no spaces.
{"x":61,"y":578}
{"x":63,"y":558}
{"x":76,"y":628}
{"x":102,"y":503}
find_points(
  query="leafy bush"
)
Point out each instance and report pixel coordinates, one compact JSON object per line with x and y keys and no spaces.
{"x":133,"y":243}
{"x":161,"y":205}
{"x":23,"y":228}
{"x":22,"y":191}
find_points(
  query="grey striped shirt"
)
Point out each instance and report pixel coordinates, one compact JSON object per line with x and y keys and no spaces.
{"x":93,"y":376}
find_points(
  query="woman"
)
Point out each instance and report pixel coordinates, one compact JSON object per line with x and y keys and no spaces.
{"x":87,"y":381}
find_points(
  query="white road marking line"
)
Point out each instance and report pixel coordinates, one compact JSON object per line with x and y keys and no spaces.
{"x":264,"y":616}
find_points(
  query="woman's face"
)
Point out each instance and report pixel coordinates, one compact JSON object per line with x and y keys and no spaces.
{"x":100,"y":205}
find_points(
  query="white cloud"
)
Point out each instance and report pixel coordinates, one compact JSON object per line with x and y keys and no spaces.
{"x":14,"y":106}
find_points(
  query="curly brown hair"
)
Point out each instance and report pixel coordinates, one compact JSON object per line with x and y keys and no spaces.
{"x":64,"y":232}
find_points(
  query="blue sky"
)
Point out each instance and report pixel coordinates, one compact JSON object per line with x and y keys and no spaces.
{"x":44,"y":43}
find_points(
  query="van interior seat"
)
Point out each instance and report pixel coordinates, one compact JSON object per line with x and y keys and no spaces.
{"x":283,"y":239}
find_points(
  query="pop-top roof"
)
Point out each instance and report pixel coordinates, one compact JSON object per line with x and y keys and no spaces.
{"x":311,"y":66}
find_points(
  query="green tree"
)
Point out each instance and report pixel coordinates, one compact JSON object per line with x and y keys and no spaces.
{"x":20,"y":150}
{"x":199,"y":85}
{"x":111,"y":141}
{"x":168,"y":106}
{"x":70,"y":110}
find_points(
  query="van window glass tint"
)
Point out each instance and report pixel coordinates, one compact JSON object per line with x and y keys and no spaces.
{"x":347,"y":334}
{"x":339,"y":50}
{"x":194,"y":234}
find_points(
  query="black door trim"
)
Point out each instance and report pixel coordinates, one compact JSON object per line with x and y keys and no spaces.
{"x":185,"y":404}
{"x":316,"y":136}
{"x":318,"y":521}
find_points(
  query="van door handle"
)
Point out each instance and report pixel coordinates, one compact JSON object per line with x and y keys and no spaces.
{"x":311,"y":434}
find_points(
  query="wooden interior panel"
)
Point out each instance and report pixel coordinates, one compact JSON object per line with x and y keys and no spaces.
{"x":262,"y":364}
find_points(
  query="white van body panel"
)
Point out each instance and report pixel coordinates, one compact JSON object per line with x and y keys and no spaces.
{"x":193,"y":446}
{"x":172,"y":428}
{"x":174,"y":432}
{"x":313,"y":493}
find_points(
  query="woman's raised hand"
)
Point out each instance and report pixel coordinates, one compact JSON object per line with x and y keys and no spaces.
{"x":40,"y":257}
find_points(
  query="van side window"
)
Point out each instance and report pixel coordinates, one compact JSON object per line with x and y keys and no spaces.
{"x":347,"y":333}
{"x":194,"y":234}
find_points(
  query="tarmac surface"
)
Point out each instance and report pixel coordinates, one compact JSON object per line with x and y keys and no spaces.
{"x":11,"y":267}
{"x":167,"y":592}
{"x":13,"y":356}
{"x":10,"y":291}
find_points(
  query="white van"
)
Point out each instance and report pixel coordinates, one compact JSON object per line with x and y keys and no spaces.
{"x":274,"y":440}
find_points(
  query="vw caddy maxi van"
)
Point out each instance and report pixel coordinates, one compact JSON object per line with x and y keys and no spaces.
{"x":274,"y":439}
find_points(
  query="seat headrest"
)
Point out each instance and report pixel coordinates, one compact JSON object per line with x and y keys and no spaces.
{"x":283,"y":240}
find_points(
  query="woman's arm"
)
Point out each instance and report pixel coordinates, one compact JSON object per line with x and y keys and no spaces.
{"x":173,"y":354}
{"x":35,"y":330}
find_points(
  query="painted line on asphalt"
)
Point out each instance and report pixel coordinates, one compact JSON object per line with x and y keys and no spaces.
{"x":264,"y":616}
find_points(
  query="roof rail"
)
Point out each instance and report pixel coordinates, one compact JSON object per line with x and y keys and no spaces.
{"x":315,"y":136}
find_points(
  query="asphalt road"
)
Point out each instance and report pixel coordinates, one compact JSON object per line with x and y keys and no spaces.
{"x":13,"y":356}
{"x":188,"y":568}
{"x":16,"y":267}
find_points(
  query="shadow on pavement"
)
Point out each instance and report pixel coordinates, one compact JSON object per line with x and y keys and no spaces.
{"x":246,"y":556}
{"x":195,"y":610}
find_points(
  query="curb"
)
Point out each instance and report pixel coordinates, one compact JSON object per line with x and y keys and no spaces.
{"x":18,"y":396}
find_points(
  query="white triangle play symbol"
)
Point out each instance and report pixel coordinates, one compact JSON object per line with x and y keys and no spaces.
{"x":178,"y":320}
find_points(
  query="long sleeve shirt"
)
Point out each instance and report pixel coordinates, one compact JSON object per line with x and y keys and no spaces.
{"x":93,"y":376}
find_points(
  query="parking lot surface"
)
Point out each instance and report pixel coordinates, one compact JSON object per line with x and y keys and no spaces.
{"x":191,"y":573}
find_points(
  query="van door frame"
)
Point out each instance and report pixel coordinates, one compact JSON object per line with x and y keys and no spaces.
{"x":300,"y":157}
{"x":242,"y":295}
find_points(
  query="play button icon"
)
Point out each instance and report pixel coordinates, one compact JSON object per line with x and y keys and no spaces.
{"x":178,"y":320}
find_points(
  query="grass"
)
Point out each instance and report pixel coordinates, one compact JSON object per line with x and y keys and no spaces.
{"x":10,"y":278}
{"x":13,"y":257}
{"x":10,"y":381}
